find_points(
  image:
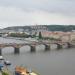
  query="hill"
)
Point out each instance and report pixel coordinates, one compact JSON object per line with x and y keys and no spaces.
{"x":50,"y":27}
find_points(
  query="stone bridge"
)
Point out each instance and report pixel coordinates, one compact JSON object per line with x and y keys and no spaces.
{"x":33,"y":45}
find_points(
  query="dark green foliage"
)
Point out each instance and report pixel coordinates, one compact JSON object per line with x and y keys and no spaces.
{"x":40,"y":35}
{"x":19,"y":35}
{"x":4,"y":73}
{"x":61,"y":27}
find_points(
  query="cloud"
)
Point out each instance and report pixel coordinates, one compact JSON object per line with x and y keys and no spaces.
{"x":58,"y":6}
{"x":26,"y":12}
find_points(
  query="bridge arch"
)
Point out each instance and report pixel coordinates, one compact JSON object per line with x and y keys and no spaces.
{"x":69,"y":45}
{"x":40,"y":47}
{"x":7,"y":50}
{"x":47,"y":46}
{"x":59,"y":46}
{"x":25,"y":48}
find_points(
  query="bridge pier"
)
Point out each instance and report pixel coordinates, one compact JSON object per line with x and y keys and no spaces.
{"x":16,"y":50}
{"x":47,"y":47}
{"x":33,"y":48}
{"x":59,"y":46}
{"x":69,"y":45}
{"x":0,"y":51}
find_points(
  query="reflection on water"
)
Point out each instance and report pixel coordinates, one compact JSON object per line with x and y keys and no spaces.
{"x":61,"y":62}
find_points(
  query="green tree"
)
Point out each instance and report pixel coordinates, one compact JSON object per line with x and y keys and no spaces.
{"x":40,"y":35}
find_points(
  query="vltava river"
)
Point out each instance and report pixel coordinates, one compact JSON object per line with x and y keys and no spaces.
{"x":54,"y":62}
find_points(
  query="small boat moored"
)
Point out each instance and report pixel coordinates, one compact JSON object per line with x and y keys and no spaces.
{"x":7,"y":63}
{"x":1,"y":58}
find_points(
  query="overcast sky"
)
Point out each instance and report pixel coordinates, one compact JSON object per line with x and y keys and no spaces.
{"x":27,"y":12}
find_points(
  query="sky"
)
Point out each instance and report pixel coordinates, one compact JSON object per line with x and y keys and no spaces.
{"x":36,"y":12}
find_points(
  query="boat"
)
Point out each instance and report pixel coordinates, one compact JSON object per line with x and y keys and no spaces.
{"x":7,"y":63}
{"x":19,"y":70}
{"x":4,"y":70}
{"x":4,"y":66}
{"x":1,"y":58}
{"x":23,"y":71}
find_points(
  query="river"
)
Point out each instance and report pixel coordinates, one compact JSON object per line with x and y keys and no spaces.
{"x":53,"y":62}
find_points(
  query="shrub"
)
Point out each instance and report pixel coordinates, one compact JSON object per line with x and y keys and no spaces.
{"x":4,"y":73}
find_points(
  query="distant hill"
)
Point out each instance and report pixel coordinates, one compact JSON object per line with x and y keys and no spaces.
{"x":50,"y":27}
{"x":17,"y":27}
{"x":61,"y":27}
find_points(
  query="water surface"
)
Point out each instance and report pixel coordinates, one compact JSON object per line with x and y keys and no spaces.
{"x":54,"y":62}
